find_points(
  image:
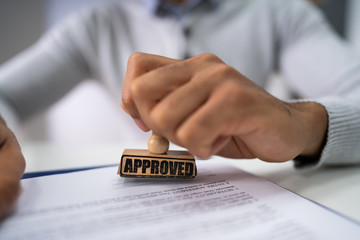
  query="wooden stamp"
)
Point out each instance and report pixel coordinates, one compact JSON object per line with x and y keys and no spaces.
{"x":157,"y":161}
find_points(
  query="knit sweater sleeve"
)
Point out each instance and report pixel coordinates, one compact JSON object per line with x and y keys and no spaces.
{"x":42,"y":74}
{"x":320,"y":67}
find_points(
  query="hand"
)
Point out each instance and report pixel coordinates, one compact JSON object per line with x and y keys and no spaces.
{"x":210,"y":108}
{"x":12,"y":166}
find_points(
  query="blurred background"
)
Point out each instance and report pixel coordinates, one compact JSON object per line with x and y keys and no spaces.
{"x":88,"y":114}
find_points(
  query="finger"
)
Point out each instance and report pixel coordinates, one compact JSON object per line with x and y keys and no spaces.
{"x":152,"y":88}
{"x":141,"y":63}
{"x":138,"y":64}
{"x":211,"y":127}
{"x":178,"y":105}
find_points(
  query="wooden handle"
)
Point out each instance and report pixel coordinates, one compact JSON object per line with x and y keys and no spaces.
{"x":158,"y":144}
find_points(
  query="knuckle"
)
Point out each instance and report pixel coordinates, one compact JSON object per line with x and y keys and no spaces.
{"x":135,"y":57}
{"x":233,"y":91}
{"x":159,"y":118}
{"x":186,"y":139}
{"x":202,"y":153}
{"x":216,"y":74}
{"x":137,"y":89}
{"x":209,"y":57}
{"x":224,"y":70}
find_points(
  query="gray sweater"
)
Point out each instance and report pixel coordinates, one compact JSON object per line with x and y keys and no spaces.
{"x":257,"y":37}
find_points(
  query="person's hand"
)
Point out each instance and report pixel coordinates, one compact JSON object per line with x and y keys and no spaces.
{"x":12,"y":166}
{"x":210,"y":108}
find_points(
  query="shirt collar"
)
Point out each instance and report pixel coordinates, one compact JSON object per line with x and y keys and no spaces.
{"x":166,"y":8}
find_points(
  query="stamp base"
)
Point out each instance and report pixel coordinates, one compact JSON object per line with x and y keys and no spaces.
{"x":141,"y":163}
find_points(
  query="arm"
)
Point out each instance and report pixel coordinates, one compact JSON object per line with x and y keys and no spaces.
{"x":31,"y":82}
{"x":321,"y":67}
{"x":42,"y":74}
{"x":209,"y":108}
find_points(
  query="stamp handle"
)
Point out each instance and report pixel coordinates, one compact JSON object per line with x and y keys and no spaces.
{"x":158,"y":144}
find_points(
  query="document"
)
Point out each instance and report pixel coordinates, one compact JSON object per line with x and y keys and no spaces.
{"x":222,"y":202}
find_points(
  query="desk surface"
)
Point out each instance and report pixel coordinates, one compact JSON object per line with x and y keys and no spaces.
{"x":336,"y":188}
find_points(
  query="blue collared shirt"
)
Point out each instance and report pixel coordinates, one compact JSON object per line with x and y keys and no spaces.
{"x":167,"y":8}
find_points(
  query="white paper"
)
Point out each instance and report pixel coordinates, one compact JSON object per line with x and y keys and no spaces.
{"x":222,"y":202}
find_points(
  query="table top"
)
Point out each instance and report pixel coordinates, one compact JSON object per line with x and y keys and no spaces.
{"x":337,"y":188}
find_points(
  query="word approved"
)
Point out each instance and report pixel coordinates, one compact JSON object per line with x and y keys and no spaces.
{"x":141,"y":163}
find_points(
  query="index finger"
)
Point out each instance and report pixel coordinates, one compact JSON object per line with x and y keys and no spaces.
{"x":138,"y":64}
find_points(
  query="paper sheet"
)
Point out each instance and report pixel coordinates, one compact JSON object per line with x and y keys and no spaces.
{"x":222,"y":202}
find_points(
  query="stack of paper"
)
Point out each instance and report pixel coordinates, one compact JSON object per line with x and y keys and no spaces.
{"x":222,"y":202}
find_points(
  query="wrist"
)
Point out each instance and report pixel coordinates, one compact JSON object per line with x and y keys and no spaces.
{"x":315,"y":119}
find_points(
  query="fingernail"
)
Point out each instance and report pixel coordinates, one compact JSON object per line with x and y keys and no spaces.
{"x":141,"y":125}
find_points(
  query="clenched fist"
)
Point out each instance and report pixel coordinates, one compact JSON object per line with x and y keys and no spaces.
{"x":210,"y":108}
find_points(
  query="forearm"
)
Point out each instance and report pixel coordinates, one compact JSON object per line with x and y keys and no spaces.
{"x":35,"y":79}
{"x":320,"y":67}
